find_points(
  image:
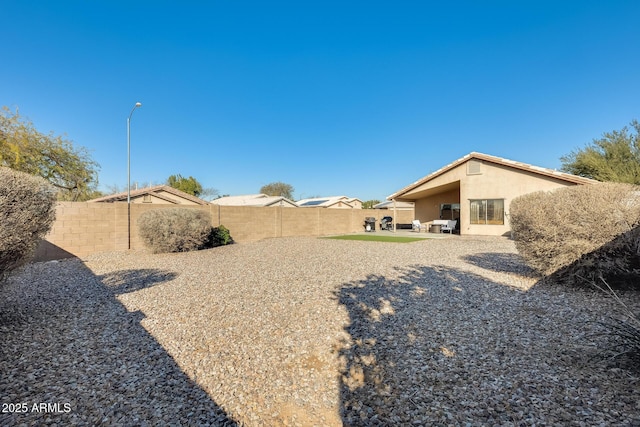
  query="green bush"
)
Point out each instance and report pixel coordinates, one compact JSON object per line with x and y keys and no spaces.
{"x":27,"y":209}
{"x":175,"y":229}
{"x":220,"y":236}
{"x":584,"y":231}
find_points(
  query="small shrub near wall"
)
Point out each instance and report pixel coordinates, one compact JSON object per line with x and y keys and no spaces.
{"x":220,"y":236}
{"x":592,"y":228}
{"x":175,"y":229}
{"x":27,"y":211}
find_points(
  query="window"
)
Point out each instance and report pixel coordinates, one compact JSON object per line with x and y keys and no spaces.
{"x":489,"y":211}
{"x":146,"y":198}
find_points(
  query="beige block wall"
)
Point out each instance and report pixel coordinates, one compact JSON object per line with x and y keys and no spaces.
{"x":300,"y":222}
{"x":84,"y":228}
{"x":248,"y":223}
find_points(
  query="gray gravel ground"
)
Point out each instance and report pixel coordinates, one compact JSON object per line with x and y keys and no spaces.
{"x":306,"y":331}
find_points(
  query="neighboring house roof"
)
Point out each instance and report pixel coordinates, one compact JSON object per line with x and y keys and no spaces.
{"x":389,"y":205}
{"x":254,"y":200}
{"x":156,"y":191}
{"x":552,"y":173}
{"x":327,"y":202}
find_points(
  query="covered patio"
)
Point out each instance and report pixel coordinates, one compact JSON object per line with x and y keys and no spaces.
{"x":476,"y":191}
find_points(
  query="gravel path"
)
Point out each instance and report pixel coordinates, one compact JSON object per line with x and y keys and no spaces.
{"x":306,"y":331}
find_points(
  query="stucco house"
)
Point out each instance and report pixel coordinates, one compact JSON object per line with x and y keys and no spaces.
{"x":477,"y":189}
{"x":254,"y":200}
{"x":159,"y":194}
{"x":332,"y":202}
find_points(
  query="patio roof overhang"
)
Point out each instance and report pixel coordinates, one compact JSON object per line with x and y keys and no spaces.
{"x":425,"y":190}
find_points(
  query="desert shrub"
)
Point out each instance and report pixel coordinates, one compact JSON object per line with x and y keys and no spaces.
{"x":584,"y":231}
{"x":620,"y":331}
{"x":220,"y":236}
{"x":175,"y":229}
{"x":27,"y":209}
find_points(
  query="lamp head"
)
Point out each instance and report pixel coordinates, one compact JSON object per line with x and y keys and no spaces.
{"x":138,"y":104}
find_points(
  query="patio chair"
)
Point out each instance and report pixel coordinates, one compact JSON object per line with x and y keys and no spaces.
{"x":449,"y":226}
{"x":415,"y":225}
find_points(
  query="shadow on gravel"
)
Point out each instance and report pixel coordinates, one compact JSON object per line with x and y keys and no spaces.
{"x":499,"y":262}
{"x":398,"y":341}
{"x":125,"y":281}
{"x":443,"y":346}
{"x":72,"y":354}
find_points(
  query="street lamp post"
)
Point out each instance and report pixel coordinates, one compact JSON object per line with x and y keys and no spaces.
{"x":138,"y":104}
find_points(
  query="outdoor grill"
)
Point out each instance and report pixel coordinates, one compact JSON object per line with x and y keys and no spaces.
{"x":370,"y":224}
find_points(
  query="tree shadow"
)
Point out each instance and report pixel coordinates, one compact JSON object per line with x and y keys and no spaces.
{"x":612,"y":270}
{"x":69,"y":344}
{"x":440,"y":346}
{"x":125,"y":281}
{"x":500,"y":262}
{"x":47,"y":251}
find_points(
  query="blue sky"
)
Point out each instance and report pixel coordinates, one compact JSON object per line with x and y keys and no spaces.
{"x":335,"y":98}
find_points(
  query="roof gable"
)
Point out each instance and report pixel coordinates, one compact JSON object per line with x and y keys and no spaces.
{"x":551,"y":173}
{"x":237,"y":200}
{"x":253,"y":200}
{"x":155,"y":191}
{"x":325,"y":202}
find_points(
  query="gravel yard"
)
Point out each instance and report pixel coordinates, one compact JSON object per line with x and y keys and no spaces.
{"x":306,"y":331}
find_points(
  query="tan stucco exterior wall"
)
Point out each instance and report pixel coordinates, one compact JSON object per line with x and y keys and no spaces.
{"x":428,"y":209}
{"x":500,"y":182}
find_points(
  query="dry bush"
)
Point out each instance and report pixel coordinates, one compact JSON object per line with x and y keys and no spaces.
{"x":175,"y":229}
{"x":583,"y":230}
{"x":27,"y":209}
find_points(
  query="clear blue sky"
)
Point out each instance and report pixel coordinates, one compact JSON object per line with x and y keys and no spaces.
{"x":356,"y":98}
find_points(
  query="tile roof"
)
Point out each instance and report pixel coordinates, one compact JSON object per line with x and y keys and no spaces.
{"x":251,"y":200}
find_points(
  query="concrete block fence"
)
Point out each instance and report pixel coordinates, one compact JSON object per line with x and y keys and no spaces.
{"x":83,"y":228}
